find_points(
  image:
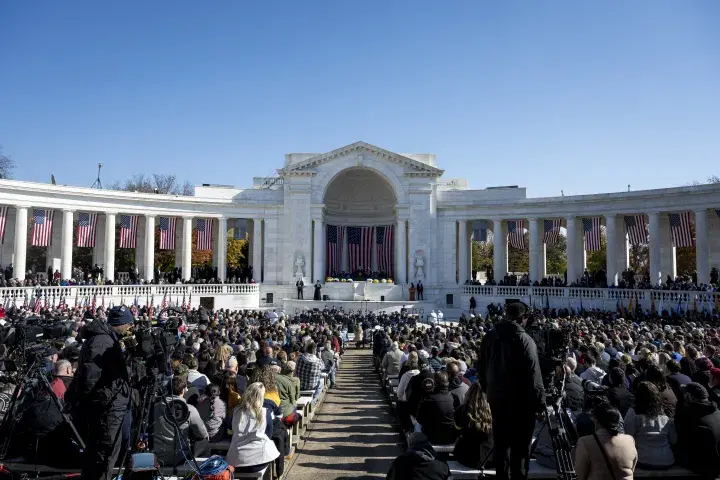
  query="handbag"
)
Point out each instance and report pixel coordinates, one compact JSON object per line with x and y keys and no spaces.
{"x":605,"y":456}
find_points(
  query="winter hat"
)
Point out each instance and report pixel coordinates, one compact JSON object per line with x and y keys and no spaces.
{"x":696,"y":391}
{"x":119,"y":316}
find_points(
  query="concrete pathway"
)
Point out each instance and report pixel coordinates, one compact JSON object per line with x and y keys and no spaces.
{"x":353,"y":435}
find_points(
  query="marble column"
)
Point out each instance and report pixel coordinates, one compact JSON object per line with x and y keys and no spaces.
{"x":149,"y":259}
{"x":462,"y":252}
{"x":500,"y":259}
{"x":21,"y":229}
{"x":400,"y":253}
{"x":611,"y":249}
{"x":187,"y":248}
{"x":109,"y":246}
{"x":702,"y":248}
{"x":318,"y":250}
{"x":221,"y":255}
{"x":535,"y":250}
{"x":655,"y":245}
{"x":257,"y":249}
{"x":53,"y":258}
{"x":67,"y":245}
{"x":668,"y":257}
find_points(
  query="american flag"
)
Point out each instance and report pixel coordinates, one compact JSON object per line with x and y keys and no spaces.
{"x":591,"y":228}
{"x":87,"y":225}
{"x":551,"y":231}
{"x":359,"y":247}
{"x":516,"y":234}
{"x":164,"y":302}
{"x":3,"y":221}
{"x":637,"y":233}
{"x":25,"y":302}
{"x":479,"y":229}
{"x":204,"y":233}
{"x":93,"y":305}
{"x":385,"y":251}
{"x":38,"y":304}
{"x":334,"y":248}
{"x":184,"y":304}
{"x":128,"y":231}
{"x":167,"y":233}
{"x":680,"y":229}
{"x":42,"y":227}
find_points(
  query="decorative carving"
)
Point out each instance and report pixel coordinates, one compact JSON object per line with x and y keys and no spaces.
{"x":299,"y":270}
{"x":419,"y":264}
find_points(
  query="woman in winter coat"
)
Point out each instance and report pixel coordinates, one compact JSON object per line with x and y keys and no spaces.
{"x":213,"y":411}
{"x":474,"y":423}
{"x":652,"y":430}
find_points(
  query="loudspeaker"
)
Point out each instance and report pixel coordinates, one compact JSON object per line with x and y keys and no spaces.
{"x":382,"y":298}
{"x":269,"y":297}
{"x":449,"y":299}
{"x":326,"y":298}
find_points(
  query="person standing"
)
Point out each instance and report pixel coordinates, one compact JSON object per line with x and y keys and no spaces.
{"x":318,"y":287}
{"x":100,"y":392}
{"x":300,"y":285}
{"x":510,"y":374}
{"x":420,"y":289}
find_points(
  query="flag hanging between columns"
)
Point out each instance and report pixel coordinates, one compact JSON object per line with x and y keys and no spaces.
{"x":385,"y":250}
{"x":204,"y":233}
{"x":591,"y":228}
{"x":167,"y":233}
{"x":3,"y":222}
{"x":87,"y":226}
{"x":680,"y":228}
{"x":359,"y":247}
{"x":128,"y":231}
{"x":42,"y":227}
{"x":479,"y":229}
{"x":551,"y":231}
{"x":636,"y":229}
{"x":334,"y":249}
{"x":516,"y":234}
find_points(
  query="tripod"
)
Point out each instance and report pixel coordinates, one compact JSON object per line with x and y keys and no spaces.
{"x":35,"y":381}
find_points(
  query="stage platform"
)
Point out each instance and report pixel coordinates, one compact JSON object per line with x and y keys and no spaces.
{"x":420,"y":308}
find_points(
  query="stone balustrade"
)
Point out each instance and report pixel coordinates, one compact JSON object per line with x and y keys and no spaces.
{"x":623,"y":295}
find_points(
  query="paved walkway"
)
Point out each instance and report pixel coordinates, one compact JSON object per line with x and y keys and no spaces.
{"x":353,"y":435}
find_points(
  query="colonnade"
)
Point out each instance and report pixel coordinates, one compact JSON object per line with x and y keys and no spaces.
{"x":60,"y":250}
{"x":662,"y":250}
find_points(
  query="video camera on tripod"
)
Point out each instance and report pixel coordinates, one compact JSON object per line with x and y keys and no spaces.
{"x":152,"y":340}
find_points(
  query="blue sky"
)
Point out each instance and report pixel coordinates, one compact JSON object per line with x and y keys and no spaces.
{"x":581,"y":96}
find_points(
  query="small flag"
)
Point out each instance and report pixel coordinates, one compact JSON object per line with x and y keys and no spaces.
{"x":93,"y":305}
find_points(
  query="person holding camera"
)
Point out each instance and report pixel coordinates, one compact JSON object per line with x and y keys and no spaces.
{"x":100,"y":392}
{"x":510,"y":374}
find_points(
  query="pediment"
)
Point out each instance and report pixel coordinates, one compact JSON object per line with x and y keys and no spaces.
{"x":412,"y":167}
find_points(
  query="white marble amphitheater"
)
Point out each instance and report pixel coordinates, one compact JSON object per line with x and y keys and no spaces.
{"x":317,"y":207}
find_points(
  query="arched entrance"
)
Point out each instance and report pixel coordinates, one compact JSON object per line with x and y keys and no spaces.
{"x":360,"y":218}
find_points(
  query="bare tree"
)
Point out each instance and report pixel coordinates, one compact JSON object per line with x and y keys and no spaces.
{"x":710,"y":179}
{"x":155,"y":183}
{"x":7,"y":165}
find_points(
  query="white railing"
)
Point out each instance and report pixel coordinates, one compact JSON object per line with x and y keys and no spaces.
{"x":8,"y":294}
{"x":592,"y":293}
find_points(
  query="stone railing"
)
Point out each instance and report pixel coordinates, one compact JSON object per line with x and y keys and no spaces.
{"x":592,"y":293}
{"x":129,"y":292}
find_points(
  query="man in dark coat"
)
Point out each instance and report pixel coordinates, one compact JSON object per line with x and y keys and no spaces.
{"x":510,"y":375}
{"x":300,"y":285}
{"x":436,"y":413}
{"x":100,"y":392}
{"x":419,"y":462}
{"x":697,"y":422}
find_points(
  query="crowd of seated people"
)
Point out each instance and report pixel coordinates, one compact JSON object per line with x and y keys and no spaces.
{"x":659,"y":376}
{"x":240,"y":373}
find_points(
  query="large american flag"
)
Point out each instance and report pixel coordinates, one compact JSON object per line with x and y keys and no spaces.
{"x":551,"y":229}
{"x":591,"y":228}
{"x":385,"y":250}
{"x":637,"y":232}
{"x":87,"y":225}
{"x":334,"y":249}
{"x":42,"y":227}
{"x":680,"y":229}
{"x":204,"y":233}
{"x":359,"y":247}
{"x":516,"y":234}
{"x":3,"y":222}
{"x":167,"y":233}
{"x":128,"y":231}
